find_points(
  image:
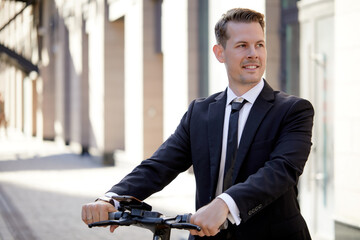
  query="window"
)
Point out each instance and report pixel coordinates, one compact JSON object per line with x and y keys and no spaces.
{"x":290,"y":47}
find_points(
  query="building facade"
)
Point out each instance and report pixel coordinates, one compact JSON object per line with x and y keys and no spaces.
{"x":329,"y":193}
{"x":114,"y":77}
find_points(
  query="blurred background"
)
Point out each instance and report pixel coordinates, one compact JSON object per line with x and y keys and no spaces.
{"x":89,"y":88}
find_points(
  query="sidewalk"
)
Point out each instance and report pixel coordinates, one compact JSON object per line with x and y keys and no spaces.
{"x":43,"y":186}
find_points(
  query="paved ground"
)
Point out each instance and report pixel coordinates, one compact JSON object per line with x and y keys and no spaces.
{"x":43,"y":186}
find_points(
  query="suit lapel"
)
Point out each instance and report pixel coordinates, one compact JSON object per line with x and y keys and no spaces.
{"x":257,"y":113}
{"x":215,"y":130}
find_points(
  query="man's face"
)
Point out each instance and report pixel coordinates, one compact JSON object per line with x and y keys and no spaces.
{"x":245,"y":53}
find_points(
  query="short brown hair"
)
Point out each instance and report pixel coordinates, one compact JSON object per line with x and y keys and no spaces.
{"x":237,"y":15}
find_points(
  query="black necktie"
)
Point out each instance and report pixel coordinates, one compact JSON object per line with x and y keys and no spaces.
{"x":232,"y":143}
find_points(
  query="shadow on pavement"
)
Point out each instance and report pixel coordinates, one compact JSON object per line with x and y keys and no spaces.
{"x":32,"y":214}
{"x":42,"y":192}
{"x":64,"y":161}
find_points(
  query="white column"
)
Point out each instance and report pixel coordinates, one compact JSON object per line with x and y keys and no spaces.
{"x":95,"y":29}
{"x":134,"y":136}
{"x":132,"y":13}
{"x":73,"y":21}
{"x":175,"y":50}
{"x":28,"y":96}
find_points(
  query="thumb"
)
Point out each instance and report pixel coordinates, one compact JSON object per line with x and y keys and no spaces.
{"x":112,"y":228}
{"x":111,"y":208}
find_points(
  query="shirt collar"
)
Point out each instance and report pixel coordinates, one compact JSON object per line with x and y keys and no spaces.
{"x":250,"y":95}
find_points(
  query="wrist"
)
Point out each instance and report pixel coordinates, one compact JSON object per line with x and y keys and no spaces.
{"x":234,"y":212}
{"x":106,"y":199}
{"x":222,"y":203}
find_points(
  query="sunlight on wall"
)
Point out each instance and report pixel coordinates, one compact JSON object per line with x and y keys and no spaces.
{"x":175,"y":49}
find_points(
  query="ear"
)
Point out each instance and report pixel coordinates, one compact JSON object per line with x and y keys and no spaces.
{"x":219,"y":52}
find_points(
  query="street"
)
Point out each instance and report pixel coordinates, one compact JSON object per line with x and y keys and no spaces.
{"x":43,"y":186}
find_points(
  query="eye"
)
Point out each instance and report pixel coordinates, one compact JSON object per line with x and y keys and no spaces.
{"x":260,"y":45}
{"x":241,"y":45}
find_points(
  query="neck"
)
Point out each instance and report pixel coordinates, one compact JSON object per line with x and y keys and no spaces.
{"x":241,"y":89}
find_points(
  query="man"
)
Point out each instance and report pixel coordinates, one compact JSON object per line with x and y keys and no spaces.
{"x":253,"y":186}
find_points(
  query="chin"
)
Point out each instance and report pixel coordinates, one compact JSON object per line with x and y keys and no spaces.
{"x":252,"y":81}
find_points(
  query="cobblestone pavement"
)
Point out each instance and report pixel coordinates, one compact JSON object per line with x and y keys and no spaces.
{"x":43,"y":186}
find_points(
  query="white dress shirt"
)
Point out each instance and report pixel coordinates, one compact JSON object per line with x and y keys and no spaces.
{"x":250,"y":96}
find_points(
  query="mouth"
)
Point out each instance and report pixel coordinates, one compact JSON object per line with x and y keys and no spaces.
{"x":251,"y":67}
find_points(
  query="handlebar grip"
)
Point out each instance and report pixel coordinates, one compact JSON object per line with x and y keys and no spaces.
{"x":115,"y":215}
{"x":186,"y":218}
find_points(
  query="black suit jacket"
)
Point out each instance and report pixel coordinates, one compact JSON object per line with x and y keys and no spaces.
{"x":273,"y":150}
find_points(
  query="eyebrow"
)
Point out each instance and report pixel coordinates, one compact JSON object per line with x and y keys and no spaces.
{"x":242,"y":41}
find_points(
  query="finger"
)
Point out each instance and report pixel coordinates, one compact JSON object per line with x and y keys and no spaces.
{"x":197,"y":233}
{"x":207,"y":228}
{"x":213,"y":231}
{"x":95,"y":212}
{"x":210,"y":230}
{"x":112,"y":228}
{"x":103,"y":214}
{"x":206,"y":231}
{"x":83,"y":214}
{"x":87,"y":214}
{"x":111,"y":208}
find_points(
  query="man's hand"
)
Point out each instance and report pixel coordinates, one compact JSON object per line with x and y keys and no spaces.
{"x":97,"y":211}
{"x":210,"y":218}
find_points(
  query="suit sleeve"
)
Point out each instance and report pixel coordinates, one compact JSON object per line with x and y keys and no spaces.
{"x":283,"y":167}
{"x":153,"y":174}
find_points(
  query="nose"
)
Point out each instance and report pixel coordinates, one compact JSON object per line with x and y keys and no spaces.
{"x":252,"y":53}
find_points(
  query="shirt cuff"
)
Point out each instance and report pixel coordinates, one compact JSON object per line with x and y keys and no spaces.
{"x":234,"y":214}
{"x":116,"y":202}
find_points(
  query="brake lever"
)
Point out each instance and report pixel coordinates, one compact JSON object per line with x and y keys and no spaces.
{"x":121,"y":222}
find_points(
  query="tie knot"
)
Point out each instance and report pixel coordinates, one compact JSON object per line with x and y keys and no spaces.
{"x":236,"y":105}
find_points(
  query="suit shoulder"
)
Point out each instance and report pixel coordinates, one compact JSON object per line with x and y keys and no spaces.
{"x":287,"y":98}
{"x":210,"y":98}
{"x":201,"y":105}
{"x":292,"y":102}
